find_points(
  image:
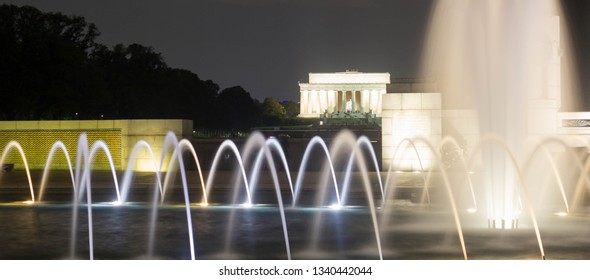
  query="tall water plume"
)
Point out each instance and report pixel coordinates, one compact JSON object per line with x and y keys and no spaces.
{"x":502,"y":59}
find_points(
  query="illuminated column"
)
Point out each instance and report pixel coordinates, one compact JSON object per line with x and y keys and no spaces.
{"x":343,"y":99}
{"x":375,"y":101}
{"x":355,"y":104}
{"x":362,"y":101}
{"x":365,"y":100}
{"x":379,"y":100}
{"x":303,"y":102}
{"x":331,"y":101}
{"x":309,"y":109}
{"x":310,"y":102}
{"x":314,"y":102}
{"x":323,"y":98}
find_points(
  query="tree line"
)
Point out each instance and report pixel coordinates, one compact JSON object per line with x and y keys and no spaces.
{"x":52,"y":68}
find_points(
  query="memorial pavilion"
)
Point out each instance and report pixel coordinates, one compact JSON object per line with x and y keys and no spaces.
{"x":344,"y":94}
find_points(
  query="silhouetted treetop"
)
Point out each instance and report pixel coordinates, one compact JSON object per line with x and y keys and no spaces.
{"x":51,"y":67}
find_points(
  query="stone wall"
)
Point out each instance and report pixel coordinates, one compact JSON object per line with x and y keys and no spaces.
{"x":410,"y":116}
{"x":37,"y":137}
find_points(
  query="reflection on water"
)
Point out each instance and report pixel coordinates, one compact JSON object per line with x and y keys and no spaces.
{"x":42,"y":232}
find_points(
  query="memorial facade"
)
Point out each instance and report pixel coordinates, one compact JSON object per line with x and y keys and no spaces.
{"x":349,"y":92}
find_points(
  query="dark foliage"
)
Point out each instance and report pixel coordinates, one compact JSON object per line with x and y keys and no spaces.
{"x":51,"y":68}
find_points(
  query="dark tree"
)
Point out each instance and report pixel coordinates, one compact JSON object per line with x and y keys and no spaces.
{"x":131,"y":74}
{"x":45,"y":74}
{"x":52,"y":68}
{"x":235,"y":109}
{"x":272,"y":112}
{"x":291,"y":108}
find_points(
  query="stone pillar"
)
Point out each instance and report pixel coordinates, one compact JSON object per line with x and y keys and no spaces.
{"x":303,"y":102}
{"x":374,"y":101}
{"x":379,"y":100}
{"x":343,"y":101}
{"x":325,"y":101}
{"x":309,"y":102}
{"x":359,"y":101}
{"x":367,"y":100}
{"x":315,"y":102}
{"x":331,"y":100}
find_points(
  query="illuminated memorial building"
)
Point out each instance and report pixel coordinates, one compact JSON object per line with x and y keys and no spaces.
{"x":344,"y":94}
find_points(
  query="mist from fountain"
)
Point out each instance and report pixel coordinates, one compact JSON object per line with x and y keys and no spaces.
{"x":501,"y":59}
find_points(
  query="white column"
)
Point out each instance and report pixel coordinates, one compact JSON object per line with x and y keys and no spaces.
{"x":374,"y":101}
{"x":343,"y":101}
{"x":314,"y":102}
{"x":365,"y":101}
{"x":303,"y":102}
{"x":331,"y":101}
{"x":379,"y":98}
{"x":367,"y":97}
{"x":323,"y":98}
{"x":310,"y":102}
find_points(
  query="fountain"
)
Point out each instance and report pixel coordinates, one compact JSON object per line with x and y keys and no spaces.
{"x":505,"y":195}
{"x":386,"y":220}
{"x":501,"y":59}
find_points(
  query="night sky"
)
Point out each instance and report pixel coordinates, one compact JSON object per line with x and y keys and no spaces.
{"x":268,"y":46}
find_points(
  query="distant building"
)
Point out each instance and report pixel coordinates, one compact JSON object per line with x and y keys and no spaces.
{"x":331,"y":92}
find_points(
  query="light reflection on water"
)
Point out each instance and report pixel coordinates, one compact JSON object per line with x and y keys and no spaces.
{"x":42,"y":232}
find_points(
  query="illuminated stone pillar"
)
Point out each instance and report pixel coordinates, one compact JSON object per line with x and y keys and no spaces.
{"x":343,"y":99}
{"x":379,"y":101}
{"x":365,"y":101}
{"x":357,"y":100}
{"x":303,"y":102}
{"x":315,"y":102}
{"x":309,"y":109}
{"x":331,"y":101}
{"x":323,"y":98}
{"x":375,"y":101}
